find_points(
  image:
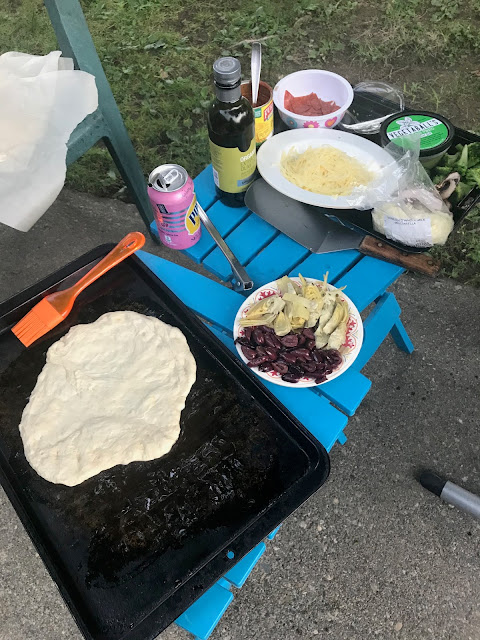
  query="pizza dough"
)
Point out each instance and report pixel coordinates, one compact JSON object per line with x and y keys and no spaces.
{"x":111,"y":392}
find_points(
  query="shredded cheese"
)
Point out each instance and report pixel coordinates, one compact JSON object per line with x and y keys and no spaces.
{"x":324,"y":170}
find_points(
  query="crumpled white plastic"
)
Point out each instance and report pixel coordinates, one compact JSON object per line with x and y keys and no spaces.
{"x":405,"y":205}
{"x":42,"y":100}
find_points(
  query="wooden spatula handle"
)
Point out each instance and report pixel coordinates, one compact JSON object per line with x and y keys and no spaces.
{"x":420,"y":262}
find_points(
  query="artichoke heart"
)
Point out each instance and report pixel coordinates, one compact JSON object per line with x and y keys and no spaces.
{"x":298,"y":306}
{"x":336,"y":318}
{"x":272,"y":304}
{"x":267,"y":318}
{"x":281,"y":325}
{"x":310,"y":291}
{"x":338,"y":336}
{"x":285,"y":285}
{"x":321,"y":337}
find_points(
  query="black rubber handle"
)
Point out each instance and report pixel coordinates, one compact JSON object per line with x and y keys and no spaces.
{"x":432,"y":482}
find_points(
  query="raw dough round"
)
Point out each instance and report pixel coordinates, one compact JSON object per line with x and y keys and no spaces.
{"x":111,"y":392}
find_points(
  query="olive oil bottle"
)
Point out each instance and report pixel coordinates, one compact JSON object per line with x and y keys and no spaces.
{"x":231,"y":130}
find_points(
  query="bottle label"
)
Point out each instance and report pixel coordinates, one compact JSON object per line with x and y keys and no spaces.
{"x":233,"y":170}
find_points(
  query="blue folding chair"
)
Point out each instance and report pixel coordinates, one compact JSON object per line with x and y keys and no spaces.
{"x":106,"y":123}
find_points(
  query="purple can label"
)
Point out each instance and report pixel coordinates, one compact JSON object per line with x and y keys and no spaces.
{"x":179,"y":230}
{"x":174,"y":206}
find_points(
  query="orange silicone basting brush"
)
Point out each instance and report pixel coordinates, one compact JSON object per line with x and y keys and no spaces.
{"x":55,"y":307}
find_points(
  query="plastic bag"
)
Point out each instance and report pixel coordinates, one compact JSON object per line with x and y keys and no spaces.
{"x":405,"y":205}
{"x":42,"y":100}
{"x":373,"y":102}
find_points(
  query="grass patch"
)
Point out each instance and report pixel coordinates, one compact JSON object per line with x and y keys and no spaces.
{"x":158,"y":59}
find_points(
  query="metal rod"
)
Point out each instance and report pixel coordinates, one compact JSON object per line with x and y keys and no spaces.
{"x":451,"y":493}
{"x":242,"y":281}
{"x":256,"y":65}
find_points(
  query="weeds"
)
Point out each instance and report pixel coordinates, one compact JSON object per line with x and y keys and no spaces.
{"x":158,"y":56}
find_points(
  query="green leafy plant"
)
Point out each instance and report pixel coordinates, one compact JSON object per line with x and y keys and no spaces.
{"x":158,"y":59}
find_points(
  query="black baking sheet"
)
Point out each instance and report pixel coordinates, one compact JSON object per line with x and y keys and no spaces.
{"x":133,"y":547}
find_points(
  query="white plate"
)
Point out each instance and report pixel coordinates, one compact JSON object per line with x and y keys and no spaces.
{"x":351,"y":347}
{"x":373,"y":157}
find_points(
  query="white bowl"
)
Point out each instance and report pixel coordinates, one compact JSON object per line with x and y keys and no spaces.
{"x":327,"y":85}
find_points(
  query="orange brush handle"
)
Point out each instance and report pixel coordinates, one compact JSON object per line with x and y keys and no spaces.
{"x":131,"y":243}
{"x":50,"y":311}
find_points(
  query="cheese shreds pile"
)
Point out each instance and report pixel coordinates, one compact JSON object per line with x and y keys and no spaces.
{"x":324,"y":170}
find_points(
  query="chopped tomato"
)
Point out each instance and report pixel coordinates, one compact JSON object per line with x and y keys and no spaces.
{"x":309,"y":105}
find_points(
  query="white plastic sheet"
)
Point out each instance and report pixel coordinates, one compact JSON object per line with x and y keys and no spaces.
{"x":42,"y":100}
{"x":405,"y":205}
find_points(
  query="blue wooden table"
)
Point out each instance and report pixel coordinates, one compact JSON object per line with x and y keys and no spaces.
{"x":268,"y":254}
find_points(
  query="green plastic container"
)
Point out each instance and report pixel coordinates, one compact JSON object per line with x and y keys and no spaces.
{"x":436,"y":133}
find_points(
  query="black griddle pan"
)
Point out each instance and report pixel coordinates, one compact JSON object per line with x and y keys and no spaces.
{"x":133,"y":547}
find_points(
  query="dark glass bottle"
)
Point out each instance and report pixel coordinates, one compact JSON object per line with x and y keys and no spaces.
{"x":231,"y":130}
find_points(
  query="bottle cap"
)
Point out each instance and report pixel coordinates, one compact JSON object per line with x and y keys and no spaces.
{"x":227,"y":71}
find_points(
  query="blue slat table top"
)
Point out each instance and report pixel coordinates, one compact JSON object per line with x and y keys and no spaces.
{"x":267,"y":254}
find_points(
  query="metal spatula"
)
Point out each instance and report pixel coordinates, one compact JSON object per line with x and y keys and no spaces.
{"x":304,"y":224}
{"x":299,"y":221}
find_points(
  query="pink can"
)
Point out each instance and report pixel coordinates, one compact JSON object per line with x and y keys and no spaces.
{"x":174,"y":202}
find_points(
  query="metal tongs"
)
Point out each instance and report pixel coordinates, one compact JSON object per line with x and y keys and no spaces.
{"x":241,"y":281}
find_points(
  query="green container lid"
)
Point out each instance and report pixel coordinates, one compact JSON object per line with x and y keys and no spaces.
{"x":436,"y":132}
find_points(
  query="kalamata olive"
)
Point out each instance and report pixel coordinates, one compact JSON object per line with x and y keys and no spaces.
{"x":280,"y":367}
{"x":256,"y":361}
{"x":319,"y":380}
{"x":328,"y":371}
{"x":272,"y":341}
{"x":304,"y":353}
{"x":260,"y":351}
{"x":318,"y":355}
{"x":309,"y":367}
{"x":297,"y":370}
{"x":258,"y":336}
{"x":301,"y":339}
{"x":333,"y":357}
{"x":290,"y":377}
{"x":249,"y":353}
{"x":265,"y":366}
{"x":277,"y":344}
{"x":243,"y":341}
{"x":248,"y":332}
{"x":308,"y":333}
{"x":310,"y":344}
{"x":301,"y":360}
{"x":289,"y":357}
{"x":290,"y":340}
{"x":271,"y":353}
{"x":267,"y":329}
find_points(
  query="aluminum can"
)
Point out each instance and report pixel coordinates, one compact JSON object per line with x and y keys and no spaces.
{"x":174,"y":203}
